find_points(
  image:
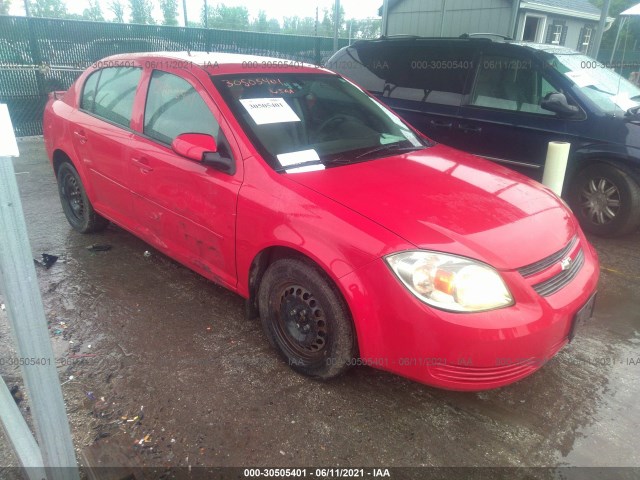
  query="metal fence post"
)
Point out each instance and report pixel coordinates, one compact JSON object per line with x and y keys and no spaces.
{"x":28,"y":323}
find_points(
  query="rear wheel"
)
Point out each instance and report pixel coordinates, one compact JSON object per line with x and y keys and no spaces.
{"x":306,"y":318}
{"x":606,"y":200}
{"x":75,"y":203}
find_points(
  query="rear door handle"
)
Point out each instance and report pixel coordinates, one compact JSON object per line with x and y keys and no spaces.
{"x":80,"y":135}
{"x":143,"y":164}
{"x":441,"y":123}
{"x":466,"y":128}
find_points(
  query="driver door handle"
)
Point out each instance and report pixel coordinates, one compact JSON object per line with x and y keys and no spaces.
{"x":441,"y":123}
{"x":467,"y":128}
{"x":80,"y":135}
{"x":143,"y":164}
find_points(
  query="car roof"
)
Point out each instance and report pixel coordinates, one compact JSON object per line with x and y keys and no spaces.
{"x":545,"y":47}
{"x":209,"y":59}
{"x":464,"y":39}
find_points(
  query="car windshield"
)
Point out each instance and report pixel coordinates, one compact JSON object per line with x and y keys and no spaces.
{"x":608,"y":90}
{"x":302,"y":122}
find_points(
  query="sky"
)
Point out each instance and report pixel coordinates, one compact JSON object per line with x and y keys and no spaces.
{"x":275,"y":8}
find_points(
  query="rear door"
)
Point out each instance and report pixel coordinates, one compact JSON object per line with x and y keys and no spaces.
{"x":101,"y":135}
{"x":501,"y":118}
{"x":183,"y":207}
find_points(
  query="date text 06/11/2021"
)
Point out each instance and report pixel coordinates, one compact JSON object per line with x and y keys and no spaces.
{"x":317,"y":472}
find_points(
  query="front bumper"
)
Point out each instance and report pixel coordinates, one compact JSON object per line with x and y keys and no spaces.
{"x":463,"y":351}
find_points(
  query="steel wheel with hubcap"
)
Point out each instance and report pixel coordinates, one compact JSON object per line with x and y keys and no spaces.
{"x":306,"y":319}
{"x":606,"y":200}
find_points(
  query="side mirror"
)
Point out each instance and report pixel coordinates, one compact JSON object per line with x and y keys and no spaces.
{"x":557,"y":103}
{"x":203,"y":148}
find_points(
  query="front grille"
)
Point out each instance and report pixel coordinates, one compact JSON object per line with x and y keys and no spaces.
{"x":552,"y":285}
{"x":478,"y":375}
{"x":545,"y":263}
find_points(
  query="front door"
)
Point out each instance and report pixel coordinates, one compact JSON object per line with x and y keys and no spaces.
{"x":502,"y":119}
{"x":183,"y":207}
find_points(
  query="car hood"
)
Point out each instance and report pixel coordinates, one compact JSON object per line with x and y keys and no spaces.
{"x":446,"y":200}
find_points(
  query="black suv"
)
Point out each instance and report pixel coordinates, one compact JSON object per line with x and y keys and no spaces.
{"x":505,"y":101}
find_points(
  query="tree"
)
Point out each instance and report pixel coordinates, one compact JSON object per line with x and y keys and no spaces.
{"x":94,"y":12}
{"x":273,"y":25}
{"x":364,"y":28}
{"x":627,"y":34}
{"x":5,"y":5}
{"x":117,"y":8}
{"x":299,"y":26}
{"x":169,"y":12}
{"x":141,"y":12}
{"x":327,"y":24}
{"x":48,"y":8}
{"x":232,"y":18}
{"x":260,"y":24}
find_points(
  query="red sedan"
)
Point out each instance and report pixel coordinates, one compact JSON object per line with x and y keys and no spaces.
{"x":353,"y":237}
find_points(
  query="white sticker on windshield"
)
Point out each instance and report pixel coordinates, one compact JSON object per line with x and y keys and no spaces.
{"x":308,"y":168}
{"x":624,"y":102}
{"x":581,"y":79}
{"x":411,"y":137}
{"x":269,"y":110}
{"x":296,"y":158}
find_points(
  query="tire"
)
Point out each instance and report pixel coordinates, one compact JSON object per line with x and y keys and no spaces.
{"x":606,"y":200}
{"x":306,"y":319}
{"x":75,"y":203}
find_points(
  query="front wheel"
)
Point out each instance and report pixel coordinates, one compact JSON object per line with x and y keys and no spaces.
{"x":606,"y":200}
{"x":75,"y":203}
{"x":306,"y":319}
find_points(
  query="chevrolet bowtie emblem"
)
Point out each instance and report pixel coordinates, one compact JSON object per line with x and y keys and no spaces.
{"x":565,"y":263}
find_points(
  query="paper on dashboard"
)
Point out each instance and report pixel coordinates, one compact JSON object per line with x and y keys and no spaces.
{"x":269,"y":110}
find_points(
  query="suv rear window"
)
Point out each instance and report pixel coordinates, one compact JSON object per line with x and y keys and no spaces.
{"x":428,"y":73}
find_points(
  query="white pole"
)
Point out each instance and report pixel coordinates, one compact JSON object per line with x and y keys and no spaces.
{"x":336,"y":25}
{"x":555,"y":166}
{"x":615,"y":44}
{"x":27,"y":320}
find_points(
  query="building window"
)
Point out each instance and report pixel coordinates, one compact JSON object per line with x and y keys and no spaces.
{"x":586,"y":39}
{"x":557,"y":32}
{"x":556,"y":35}
{"x":533,"y":26}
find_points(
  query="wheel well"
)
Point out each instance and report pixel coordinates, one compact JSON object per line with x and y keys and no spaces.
{"x":620,"y":164}
{"x":59,"y":157}
{"x":259,"y":265}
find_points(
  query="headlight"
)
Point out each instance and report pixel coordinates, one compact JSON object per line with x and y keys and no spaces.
{"x":450,"y":282}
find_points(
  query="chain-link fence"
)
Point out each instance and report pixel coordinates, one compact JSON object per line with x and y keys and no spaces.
{"x":40,"y":55}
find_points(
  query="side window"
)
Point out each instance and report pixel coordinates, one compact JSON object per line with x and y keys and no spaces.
{"x":87,"y":102}
{"x":115,"y":92}
{"x":175,"y":107}
{"x":430,"y":74}
{"x":510,"y":83}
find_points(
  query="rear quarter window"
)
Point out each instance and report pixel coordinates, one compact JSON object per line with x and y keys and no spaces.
{"x":109,"y":93}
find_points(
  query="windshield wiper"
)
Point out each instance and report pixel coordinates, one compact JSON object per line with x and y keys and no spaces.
{"x":395,"y":147}
{"x":633,"y":112}
{"x":346,"y":159}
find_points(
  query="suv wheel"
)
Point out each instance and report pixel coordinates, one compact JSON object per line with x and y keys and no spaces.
{"x":606,"y":200}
